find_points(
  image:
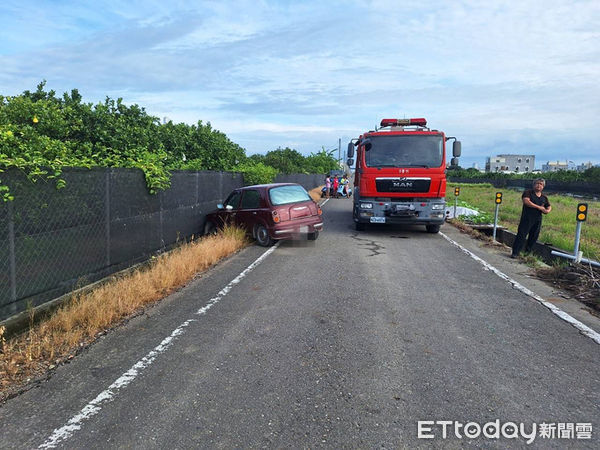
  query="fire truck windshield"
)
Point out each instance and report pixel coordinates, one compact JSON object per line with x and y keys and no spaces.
{"x":417,"y":150}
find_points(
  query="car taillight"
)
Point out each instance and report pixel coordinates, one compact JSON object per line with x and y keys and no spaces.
{"x":276,"y":217}
{"x":319,"y":210}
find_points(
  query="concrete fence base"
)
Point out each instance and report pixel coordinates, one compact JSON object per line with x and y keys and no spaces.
{"x":541,"y":250}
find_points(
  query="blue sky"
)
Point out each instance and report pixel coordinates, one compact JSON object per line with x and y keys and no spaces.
{"x":502,"y":76}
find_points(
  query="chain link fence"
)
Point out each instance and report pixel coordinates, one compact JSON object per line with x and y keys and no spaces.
{"x":53,"y":241}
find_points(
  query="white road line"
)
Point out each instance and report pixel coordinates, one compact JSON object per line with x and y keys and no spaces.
{"x":584,"y":329}
{"x":92,"y":408}
{"x":223,"y":292}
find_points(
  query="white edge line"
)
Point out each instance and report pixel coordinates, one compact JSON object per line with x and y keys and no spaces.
{"x":109,"y":394}
{"x":223,"y":292}
{"x":584,"y":329}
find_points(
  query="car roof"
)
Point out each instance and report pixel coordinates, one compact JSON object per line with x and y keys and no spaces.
{"x":267,"y":186}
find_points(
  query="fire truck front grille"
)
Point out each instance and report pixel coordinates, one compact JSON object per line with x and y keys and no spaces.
{"x":402,"y":184}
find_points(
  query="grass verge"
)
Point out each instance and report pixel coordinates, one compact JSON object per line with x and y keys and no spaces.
{"x":558,"y":227}
{"x":88,"y":315}
{"x":465,"y":228}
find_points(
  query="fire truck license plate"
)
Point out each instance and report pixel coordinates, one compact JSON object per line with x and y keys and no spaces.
{"x":377,"y":219}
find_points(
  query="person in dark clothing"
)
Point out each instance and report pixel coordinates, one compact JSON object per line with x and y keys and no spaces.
{"x":534,"y":205}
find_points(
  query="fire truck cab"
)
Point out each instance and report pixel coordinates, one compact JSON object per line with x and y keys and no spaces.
{"x":400,"y":175}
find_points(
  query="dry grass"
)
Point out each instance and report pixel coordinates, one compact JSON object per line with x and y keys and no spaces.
{"x":581,"y":280}
{"x":315,"y":193}
{"x":88,"y":315}
{"x":465,"y":228}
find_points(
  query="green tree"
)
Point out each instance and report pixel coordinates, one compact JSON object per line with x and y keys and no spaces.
{"x":321,"y":162}
{"x":41,"y":133}
{"x":256,"y":172}
{"x":257,"y":158}
{"x":286,"y":160}
{"x":592,"y":174}
{"x":214,"y":149}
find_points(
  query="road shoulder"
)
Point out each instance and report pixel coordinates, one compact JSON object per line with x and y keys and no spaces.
{"x":498,"y":257}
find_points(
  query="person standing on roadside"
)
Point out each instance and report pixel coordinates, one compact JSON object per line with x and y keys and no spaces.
{"x":328,"y":185}
{"x":534,"y":205}
{"x":343,"y":183}
{"x":336,"y":184}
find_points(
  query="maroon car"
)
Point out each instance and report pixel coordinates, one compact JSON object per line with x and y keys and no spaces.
{"x":269,"y":212}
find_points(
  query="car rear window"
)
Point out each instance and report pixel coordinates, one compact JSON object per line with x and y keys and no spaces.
{"x":288,"y":194}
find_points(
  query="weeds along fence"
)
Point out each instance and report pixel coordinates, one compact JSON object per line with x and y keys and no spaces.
{"x":53,"y":241}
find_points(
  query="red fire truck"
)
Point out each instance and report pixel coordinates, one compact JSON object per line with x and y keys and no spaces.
{"x":400,"y":175}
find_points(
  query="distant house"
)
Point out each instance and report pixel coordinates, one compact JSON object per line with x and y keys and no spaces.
{"x":510,"y":163}
{"x":585,"y":166}
{"x":555,"y":166}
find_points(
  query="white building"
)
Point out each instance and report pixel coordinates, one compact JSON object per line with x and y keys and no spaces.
{"x":510,"y":163}
{"x":555,"y":166}
{"x":585,"y":166}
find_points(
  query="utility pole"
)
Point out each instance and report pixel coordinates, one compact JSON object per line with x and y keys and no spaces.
{"x":339,"y":150}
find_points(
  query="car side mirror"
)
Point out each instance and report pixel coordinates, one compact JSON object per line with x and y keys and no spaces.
{"x":349,"y":162}
{"x":220,"y":206}
{"x":350,"y":152}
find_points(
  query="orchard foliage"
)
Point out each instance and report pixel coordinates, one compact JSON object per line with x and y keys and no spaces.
{"x":263,"y":168}
{"x":40,"y":133}
{"x":256,"y":173}
{"x":287,"y":161}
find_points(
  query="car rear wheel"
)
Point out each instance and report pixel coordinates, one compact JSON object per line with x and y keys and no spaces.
{"x":360,"y":226}
{"x":313,"y":236}
{"x":432,"y":228}
{"x":262,"y":236}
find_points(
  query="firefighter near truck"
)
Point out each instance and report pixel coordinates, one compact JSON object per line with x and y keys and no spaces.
{"x":400,"y":174}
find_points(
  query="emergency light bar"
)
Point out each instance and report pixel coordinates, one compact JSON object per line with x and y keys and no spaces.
{"x":421,"y":122}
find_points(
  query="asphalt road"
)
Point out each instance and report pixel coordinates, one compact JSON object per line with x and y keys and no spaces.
{"x":347,"y":342}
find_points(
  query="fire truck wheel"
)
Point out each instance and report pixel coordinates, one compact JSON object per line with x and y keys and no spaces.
{"x":360,"y":226}
{"x":433,"y":228}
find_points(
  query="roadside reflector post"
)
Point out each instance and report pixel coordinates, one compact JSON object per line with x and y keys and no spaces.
{"x":456,"y":194}
{"x":576,"y":251}
{"x":498,"y":201}
{"x":582,"y":209}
